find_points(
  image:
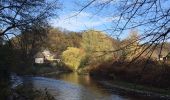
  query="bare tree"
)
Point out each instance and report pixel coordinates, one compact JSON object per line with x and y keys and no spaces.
{"x":31,"y":41}
{"x":17,"y":14}
{"x":152,"y":17}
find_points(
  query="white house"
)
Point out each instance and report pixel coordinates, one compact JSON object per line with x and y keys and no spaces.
{"x":48,"y":55}
{"x":45,"y":55}
{"x":39,"y":58}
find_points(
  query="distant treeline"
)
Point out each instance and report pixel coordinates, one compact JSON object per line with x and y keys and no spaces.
{"x":95,"y":46}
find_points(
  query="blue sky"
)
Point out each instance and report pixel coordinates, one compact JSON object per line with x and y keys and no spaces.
{"x":88,"y":19}
{"x":83,"y":21}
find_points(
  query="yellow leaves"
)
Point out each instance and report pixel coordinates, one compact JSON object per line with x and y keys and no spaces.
{"x":97,"y":44}
{"x":72,"y":57}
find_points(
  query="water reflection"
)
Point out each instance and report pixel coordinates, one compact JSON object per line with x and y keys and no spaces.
{"x":75,"y":87}
{"x":94,"y":86}
{"x":84,"y":80}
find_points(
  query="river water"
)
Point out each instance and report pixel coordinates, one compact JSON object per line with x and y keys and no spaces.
{"x":76,"y":87}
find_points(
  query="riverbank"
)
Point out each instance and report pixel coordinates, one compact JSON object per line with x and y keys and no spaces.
{"x":151,"y":79}
{"x":150,"y":73}
{"x":22,"y":92}
{"x":126,"y":88}
{"x":42,"y":69}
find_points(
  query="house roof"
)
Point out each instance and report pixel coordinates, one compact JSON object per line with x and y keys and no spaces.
{"x":39,"y":55}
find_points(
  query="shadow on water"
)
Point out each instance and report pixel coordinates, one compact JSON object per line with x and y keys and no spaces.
{"x":71,"y":86}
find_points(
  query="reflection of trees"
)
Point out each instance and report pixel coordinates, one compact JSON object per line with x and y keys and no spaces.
{"x":84,"y":80}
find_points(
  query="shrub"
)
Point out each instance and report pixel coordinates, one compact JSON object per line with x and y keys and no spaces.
{"x":150,"y":73}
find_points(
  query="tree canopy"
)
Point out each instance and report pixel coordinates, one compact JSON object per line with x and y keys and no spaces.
{"x":73,"y":57}
{"x":58,"y":41}
{"x":97,"y":45}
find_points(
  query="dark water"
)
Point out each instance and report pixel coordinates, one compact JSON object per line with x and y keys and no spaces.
{"x":76,"y":87}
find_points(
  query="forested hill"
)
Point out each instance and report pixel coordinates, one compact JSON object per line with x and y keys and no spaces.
{"x":57,"y":40}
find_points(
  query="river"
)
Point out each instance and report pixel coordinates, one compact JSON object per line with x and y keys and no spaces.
{"x":72,"y":86}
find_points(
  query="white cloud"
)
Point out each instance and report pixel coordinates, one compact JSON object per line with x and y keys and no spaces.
{"x":105,"y":1}
{"x":82,"y":21}
{"x":110,"y":19}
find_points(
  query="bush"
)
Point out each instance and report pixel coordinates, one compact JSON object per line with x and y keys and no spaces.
{"x":151,"y":73}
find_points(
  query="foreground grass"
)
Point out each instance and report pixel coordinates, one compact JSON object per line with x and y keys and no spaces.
{"x":28,"y":93}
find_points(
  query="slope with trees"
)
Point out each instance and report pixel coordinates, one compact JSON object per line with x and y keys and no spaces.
{"x":58,"y":41}
{"x":97,"y":45}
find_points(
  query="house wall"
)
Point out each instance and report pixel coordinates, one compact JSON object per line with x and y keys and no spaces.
{"x":48,"y":55}
{"x":39,"y":60}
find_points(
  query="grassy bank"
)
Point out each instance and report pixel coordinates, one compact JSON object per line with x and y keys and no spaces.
{"x":151,"y":74}
{"x":139,"y":75}
{"x":126,"y":88}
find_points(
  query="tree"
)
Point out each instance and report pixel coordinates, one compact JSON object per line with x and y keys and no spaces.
{"x":28,"y":19}
{"x":30,"y":42}
{"x":19,"y":14}
{"x":150,"y":16}
{"x":97,"y":45}
{"x":58,"y":41}
{"x":134,"y":47}
{"x":73,"y":57}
